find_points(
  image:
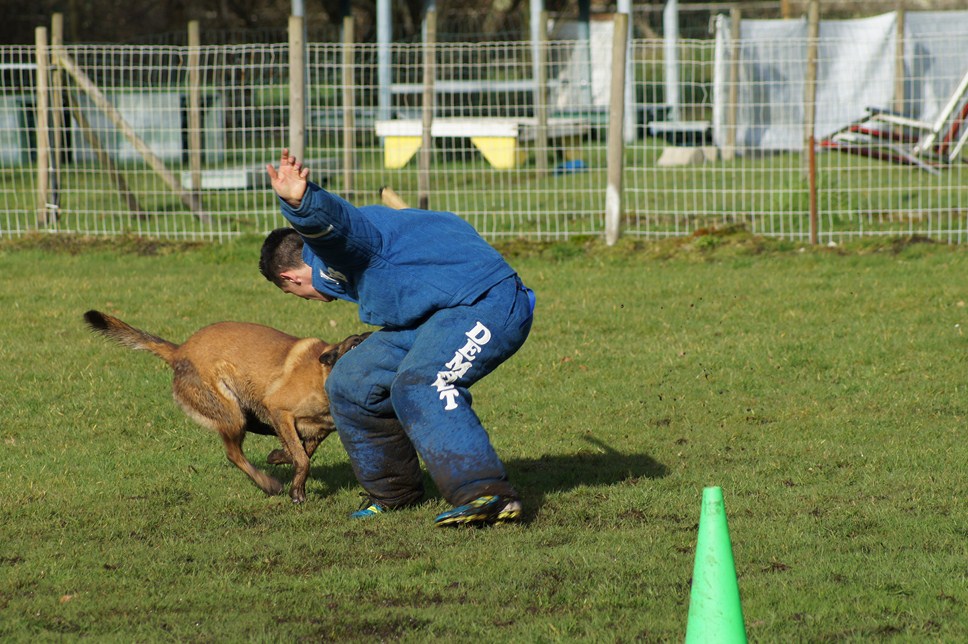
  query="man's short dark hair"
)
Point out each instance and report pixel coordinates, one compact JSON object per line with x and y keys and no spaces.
{"x":281,"y":251}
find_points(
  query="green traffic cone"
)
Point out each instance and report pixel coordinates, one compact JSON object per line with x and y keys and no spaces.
{"x":715,"y":613}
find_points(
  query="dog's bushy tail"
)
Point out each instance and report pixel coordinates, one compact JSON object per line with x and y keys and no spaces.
{"x":126,"y":335}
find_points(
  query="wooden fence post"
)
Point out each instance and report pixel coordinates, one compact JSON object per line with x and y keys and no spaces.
{"x":195,"y":112}
{"x":42,"y":56}
{"x":810,"y":111}
{"x":429,"y":75}
{"x":349,"y":107}
{"x":900,"y":104}
{"x":297,"y":88}
{"x":616,"y":140}
{"x":57,"y":123}
{"x":541,"y":97}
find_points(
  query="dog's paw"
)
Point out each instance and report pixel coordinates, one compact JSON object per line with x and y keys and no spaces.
{"x":297,"y":496}
{"x":273,"y":487}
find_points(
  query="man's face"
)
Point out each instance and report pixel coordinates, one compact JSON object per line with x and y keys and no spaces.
{"x":305,"y":291}
{"x":299,"y":282}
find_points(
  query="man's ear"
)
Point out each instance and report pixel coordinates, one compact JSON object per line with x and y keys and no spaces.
{"x":291,"y":276}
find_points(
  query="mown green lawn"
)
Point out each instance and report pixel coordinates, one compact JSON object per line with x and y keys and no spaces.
{"x":822,"y":389}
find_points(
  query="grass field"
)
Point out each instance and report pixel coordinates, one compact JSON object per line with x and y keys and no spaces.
{"x":823,"y":389}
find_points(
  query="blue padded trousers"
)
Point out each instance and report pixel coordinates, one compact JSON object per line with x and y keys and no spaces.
{"x":404,"y":393}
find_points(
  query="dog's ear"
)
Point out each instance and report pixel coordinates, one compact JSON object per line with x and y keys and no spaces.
{"x":337,"y":351}
{"x":330,"y":355}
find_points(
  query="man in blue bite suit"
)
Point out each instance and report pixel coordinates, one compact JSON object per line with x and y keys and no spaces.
{"x":450,"y":309}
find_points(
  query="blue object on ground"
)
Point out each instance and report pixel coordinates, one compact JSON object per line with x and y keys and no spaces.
{"x":571,"y":167}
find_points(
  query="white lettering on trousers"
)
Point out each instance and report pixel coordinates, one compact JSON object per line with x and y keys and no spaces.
{"x":460,"y":364}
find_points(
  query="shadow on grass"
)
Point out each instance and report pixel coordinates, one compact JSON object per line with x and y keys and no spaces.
{"x":565,"y":471}
{"x":534,"y":478}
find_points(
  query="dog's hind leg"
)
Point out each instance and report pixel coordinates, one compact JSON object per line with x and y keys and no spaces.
{"x":218,"y":410}
{"x":233,"y":449}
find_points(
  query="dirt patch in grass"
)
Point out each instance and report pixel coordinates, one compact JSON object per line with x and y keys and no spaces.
{"x":77,"y":244}
{"x":707,"y":244}
{"x":704,"y":244}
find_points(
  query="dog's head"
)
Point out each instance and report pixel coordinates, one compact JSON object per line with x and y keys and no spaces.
{"x":337,"y":351}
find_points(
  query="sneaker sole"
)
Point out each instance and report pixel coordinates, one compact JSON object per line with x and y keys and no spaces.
{"x":482,"y":518}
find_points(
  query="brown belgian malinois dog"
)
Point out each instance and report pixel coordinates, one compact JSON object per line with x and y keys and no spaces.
{"x":237,"y":377}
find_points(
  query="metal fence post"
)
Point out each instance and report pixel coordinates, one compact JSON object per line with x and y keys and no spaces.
{"x":735,"y":58}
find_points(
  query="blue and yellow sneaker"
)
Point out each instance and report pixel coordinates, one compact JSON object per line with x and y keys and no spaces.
{"x":484,"y":510}
{"x":368,"y":509}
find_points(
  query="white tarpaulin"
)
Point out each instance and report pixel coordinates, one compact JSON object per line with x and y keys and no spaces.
{"x":855,"y":70}
{"x":585,"y":76}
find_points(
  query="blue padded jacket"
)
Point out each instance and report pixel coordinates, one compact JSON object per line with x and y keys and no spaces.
{"x":399,"y":266}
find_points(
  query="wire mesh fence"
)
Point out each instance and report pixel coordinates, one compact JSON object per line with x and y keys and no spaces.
{"x":171,"y":141}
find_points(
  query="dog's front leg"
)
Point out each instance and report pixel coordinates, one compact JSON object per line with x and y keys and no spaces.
{"x":286,"y":428}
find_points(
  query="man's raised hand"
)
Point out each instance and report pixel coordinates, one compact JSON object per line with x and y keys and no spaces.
{"x":289,"y":181}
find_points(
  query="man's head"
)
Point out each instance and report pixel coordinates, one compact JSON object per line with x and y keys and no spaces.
{"x":282,"y":264}
{"x":281,"y":252}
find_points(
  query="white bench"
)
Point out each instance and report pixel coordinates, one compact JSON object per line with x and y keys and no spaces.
{"x":497,"y":139}
{"x":252,"y":177}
